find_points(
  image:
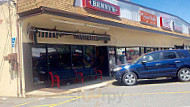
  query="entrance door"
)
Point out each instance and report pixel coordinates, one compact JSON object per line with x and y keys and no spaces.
{"x":102,"y":62}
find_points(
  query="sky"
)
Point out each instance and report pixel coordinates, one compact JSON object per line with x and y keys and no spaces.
{"x":180,"y":8}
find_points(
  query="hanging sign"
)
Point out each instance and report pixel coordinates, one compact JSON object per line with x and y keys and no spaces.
{"x":165,"y":23}
{"x":76,"y":35}
{"x":148,"y":18}
{"x":177,"y":27}
{"x":103,"y":6}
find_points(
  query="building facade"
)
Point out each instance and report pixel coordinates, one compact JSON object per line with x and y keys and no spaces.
{"x":63,"y":35}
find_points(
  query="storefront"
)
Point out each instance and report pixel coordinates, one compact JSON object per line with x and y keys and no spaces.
{"x":61,"y":45}
{"x":87,"y":34}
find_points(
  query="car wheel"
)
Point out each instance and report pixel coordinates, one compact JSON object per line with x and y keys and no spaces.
{"x":184,"y":74}
{"x":129,"y":78}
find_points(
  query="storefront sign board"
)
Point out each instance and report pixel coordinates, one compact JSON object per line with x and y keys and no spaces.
{"x":148,"y":18}
{"x":177,"y":26}
{"x":103,"y":6}
{"x":165,"y":23}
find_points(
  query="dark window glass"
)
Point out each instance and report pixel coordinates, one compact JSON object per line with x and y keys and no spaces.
{"x":59,"y":58}
{"x":120,"y":55}
{"x":89,"y":56}
{"x":152,"y":57}
{"x":77,"y":56}
{"x":181,"y":55}
{"x":132,"y":53}
{"x":169,"y":55}
{"x":39,"y":62}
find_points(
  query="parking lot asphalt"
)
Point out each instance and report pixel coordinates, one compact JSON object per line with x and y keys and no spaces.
{"x":149,"y":93}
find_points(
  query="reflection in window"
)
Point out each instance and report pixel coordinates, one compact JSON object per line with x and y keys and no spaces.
{"x":77,"y":57}
{"x":89,"y":56}
{"x":120,"y":55}
{"x":59,"y":58}
{"x":152,"y":57}
{"x":112,"y":62}
{"x":39,"y":62}
{"x":132,"y":53}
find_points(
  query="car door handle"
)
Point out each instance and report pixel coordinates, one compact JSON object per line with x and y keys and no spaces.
{"x":158,"y":64}
{"x":177,"y":61}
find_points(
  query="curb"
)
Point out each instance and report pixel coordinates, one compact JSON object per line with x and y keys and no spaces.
{"x":70,"y":91}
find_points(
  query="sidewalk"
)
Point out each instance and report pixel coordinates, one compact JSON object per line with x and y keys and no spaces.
{"x":71,"y":88}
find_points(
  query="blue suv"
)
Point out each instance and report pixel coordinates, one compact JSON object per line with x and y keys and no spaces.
{"x":167,"y":63}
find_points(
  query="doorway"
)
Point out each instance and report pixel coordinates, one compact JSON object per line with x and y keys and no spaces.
{"x":102,"y":61}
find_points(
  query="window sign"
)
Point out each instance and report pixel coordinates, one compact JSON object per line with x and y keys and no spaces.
{"x":177,"y":26}
{"x":103,"y":6}
{"x":148,"y":18}
{"x":165,"y":23}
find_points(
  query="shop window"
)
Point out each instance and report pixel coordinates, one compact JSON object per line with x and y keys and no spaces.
{"x":120,"y":55}
{"x":132,"y":53}
{"x":39,"y":62}
{"x":89,"y":56}
{"x":142,"y":50}
{"x":59,"y":58}
{"x":152,"y":49}
{"x":155,"y":49}
{"x":112,"y":62}
{"x":148,"y":50}
{"x":77,"y":57}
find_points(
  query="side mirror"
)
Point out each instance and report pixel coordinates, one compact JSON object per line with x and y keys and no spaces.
{"x":143,"y":62}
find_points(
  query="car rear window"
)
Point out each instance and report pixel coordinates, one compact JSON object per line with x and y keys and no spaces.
{"x":181,"y":55}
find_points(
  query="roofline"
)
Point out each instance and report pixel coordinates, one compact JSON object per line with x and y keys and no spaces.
{"x":153,"y":10}
{"x":62,"y":13}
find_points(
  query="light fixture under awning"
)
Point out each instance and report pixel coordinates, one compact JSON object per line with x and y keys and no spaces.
{"x":46,"y":33}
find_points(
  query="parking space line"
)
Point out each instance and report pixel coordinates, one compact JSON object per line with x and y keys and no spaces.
{"x":53,"y":105}
{"x":135,"y":94}
{"x":25,"y":103}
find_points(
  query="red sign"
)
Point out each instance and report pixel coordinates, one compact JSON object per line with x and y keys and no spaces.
{"x":165,"y":23}
{"x":103,"y":6}
{"x":148,"y":18}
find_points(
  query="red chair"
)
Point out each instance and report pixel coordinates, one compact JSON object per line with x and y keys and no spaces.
{"x":78,"y":75}
{"x":98,"y":73}
{"x":54,"y":78}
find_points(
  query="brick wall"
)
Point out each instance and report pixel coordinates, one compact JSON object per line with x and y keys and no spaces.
{"x":68,"y":5}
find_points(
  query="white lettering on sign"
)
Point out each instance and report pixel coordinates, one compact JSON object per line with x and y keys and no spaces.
{"x":102,"y":5}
